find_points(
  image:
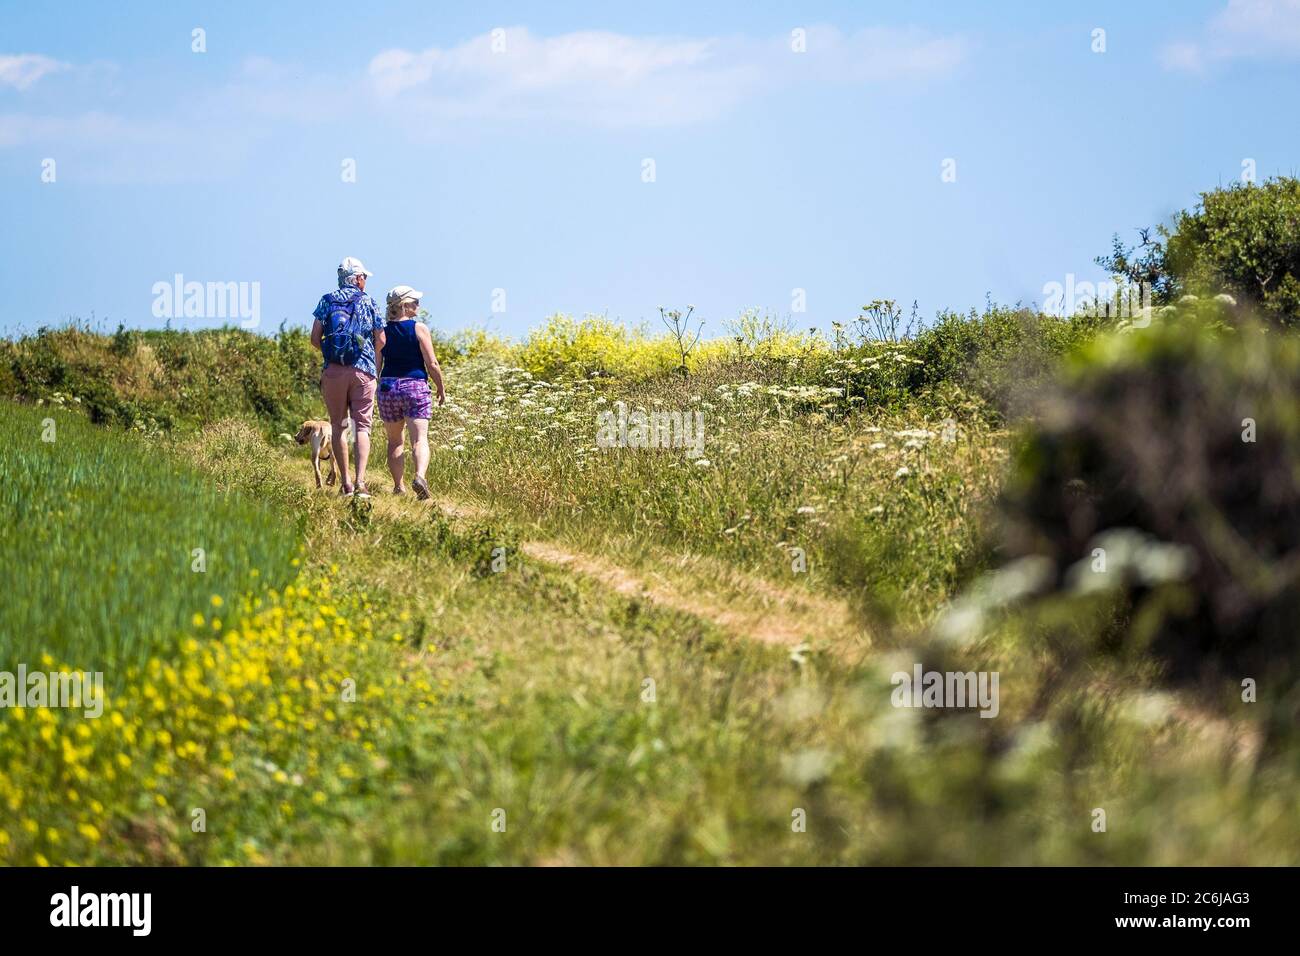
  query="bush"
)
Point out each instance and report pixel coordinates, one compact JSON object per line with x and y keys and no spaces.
{"x":762,"y":338}
{"x":597,"y":346}
{"x":1164,"y":471}
{"x":468,"y":343}
{"x":167,"y":378}
{"x":964,"y":366}
{"x":981,"y":365}
{"x":1244,"y":240}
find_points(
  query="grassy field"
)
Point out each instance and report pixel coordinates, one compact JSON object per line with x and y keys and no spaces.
{"x":579,"y":654}
{"x":113,"y":546}
{"x":793,"y":486}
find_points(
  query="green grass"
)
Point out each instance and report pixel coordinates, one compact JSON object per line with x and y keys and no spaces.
{"x":886,"y":505}
{"x":541,"y":715}
{"x":100,"y":538}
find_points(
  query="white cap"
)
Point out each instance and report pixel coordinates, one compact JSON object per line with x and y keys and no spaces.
{"x":351,"y":266}
{"x":398,"y":293}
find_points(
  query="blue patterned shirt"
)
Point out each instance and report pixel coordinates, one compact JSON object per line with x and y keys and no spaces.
{"x":366,"y":314}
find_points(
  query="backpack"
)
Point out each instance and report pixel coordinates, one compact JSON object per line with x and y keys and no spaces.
{"x":342,"y":338}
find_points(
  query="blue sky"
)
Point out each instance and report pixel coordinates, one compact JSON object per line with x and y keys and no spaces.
{"x":515,"y":160}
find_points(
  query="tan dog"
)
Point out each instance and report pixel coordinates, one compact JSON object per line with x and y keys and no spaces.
{"x":319,"y":433}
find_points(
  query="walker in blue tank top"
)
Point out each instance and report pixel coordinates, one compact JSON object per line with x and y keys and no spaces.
{"x":402,"y":357}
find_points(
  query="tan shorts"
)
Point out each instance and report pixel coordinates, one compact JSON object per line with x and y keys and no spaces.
{"x":346,"y":389}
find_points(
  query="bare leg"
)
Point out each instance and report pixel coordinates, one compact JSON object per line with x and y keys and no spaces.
{"x":316,"y":444}
{"x":419,"y":428}
{"x":339,"y":444}
{"x":363,"y":454}
{"x":361,"y":393}
{"x":396,"y":453}
{"x":336,"y":403}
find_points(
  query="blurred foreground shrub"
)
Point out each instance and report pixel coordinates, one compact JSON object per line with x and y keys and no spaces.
{"x":1166,"y":471}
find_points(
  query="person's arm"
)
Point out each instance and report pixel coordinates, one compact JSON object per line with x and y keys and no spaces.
{"x":376,"y":329}
{"x":320,"y":313}
{"x":431,"y":361}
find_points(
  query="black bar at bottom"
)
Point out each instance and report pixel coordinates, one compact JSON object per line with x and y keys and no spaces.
{"x":333,"y":906}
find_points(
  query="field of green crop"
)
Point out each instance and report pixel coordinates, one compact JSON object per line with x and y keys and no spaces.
{"x":112,"y":547}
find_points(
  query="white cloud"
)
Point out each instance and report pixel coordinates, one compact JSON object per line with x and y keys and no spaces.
{"x":284,"y":93}
{"x":1264,"y":26}
{"x":589,"y":77}
{"x":18,"y":129}
{"x":1244,"y":29}
{"x":111,"y":148}
{"x":24,"y":69}
{"x":881,"y":54}
{"x":617,"y":80}
{"x":525,"y":62}
{"x":607,"y":78}
{"x":1186,"y":57}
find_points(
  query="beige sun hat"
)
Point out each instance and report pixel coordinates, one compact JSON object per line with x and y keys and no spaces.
{"x":402,"y":292}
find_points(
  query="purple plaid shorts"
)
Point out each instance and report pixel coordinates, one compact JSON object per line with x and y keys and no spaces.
{"x":400,"y":398}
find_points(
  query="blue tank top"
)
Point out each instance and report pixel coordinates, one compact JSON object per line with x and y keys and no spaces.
{"x":402,"y":357}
